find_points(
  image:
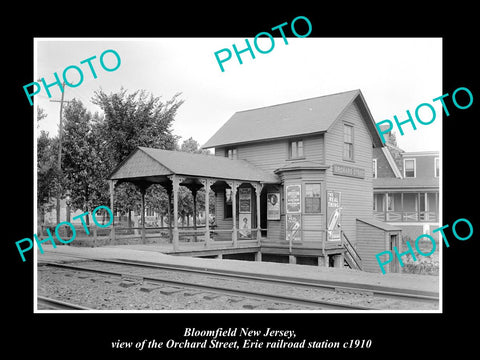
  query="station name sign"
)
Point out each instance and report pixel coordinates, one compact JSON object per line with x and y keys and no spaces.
{"x":350,"y":171}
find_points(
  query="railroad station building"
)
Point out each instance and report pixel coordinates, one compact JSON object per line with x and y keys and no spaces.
{"x":292,"y":182}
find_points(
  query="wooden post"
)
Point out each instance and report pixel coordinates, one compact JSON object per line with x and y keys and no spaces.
{"x":234,"y":212}
{"x":175,"y":214}
{"x":194,"y":194}
{"x":176,"y":180}
{"x":386,"y":206}
{"x":169,"y":209}
{"x":258,"y":190}
{"x":142,"y":192}
{"x":112,"y":192}
{"x":338,"y":260}
{"x":207,"y":211}
{"x":403,"y":209}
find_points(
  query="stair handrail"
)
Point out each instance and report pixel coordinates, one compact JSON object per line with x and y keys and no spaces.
{"x":352,"y":250}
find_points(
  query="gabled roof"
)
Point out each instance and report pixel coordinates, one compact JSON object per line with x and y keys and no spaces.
{"x":146,"y":163}
{"x":309,"y":116}
{"x":391,"y":162}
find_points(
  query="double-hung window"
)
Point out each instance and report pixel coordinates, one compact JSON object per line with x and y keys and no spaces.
{"x":347,"y":142}
{"x":409,"y":168}
{"x":296,"y":149}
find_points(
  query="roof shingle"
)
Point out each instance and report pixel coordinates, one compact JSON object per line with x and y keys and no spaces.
{"x":148,"y":162}
{"x":307,"y":116}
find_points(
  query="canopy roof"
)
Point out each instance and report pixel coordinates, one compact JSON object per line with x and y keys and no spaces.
{"x":149,"y":164}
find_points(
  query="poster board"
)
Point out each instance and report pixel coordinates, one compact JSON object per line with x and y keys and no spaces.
{"x":273,"y":206}
{"x":293,"y":207}
{"x":245,"y":213}
{"x":245,"y":200}
{"x":333,"y":215}
{"x":293,"y":198}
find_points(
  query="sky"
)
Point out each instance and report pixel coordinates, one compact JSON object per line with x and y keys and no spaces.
{"x":394,"y":75}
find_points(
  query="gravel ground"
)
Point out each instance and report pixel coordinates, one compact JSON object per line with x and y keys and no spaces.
{"x":150,"y":253}
{"x":102,"y":292}
{"x":107,"y":292}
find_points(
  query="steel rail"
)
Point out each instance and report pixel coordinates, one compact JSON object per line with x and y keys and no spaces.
{"x":383,"y":291}
{"x":318,"y":304}
{"x":58,"y":304}
{"x":376,"y":290}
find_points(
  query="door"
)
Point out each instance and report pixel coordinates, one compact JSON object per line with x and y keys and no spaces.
{"x":394,"y":264}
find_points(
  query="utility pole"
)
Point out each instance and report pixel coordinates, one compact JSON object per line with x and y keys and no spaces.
{"x":59,"y":165}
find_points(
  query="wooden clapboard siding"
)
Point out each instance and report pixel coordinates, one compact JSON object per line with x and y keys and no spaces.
{"x":276,"y":229}
{"x":356,"y":194}
{"x":313,"y":148}
{"x":370,"y":241}
{"x":313,"y":226}
{"x":269,"y":155}
{"x":273,"y":154}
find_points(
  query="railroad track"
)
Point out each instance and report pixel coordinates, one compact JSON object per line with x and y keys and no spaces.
{"x":223,"y":290}
{"x":382,"y":291}
{"x":375,"y":290}
{"x":54,"y":304}
{"x":143,"y":270}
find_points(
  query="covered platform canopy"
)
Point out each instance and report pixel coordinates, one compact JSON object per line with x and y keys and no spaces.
{"x":171,"y":169}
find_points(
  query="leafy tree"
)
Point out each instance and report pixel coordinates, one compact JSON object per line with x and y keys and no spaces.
{"x":132,"y":120}
{"x":82,"y":165}
{"x":47,"y":173}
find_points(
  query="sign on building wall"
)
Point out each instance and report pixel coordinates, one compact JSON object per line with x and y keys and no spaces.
{"x":350,"y":171}
{"x":294,"y":198}
{"x":293,"y":212}
{"x":245,"y":212}
{"x":294,"y":224}
{"x":245,"y":200}
{"x":273,"y":206}
{"x":333,"y":215}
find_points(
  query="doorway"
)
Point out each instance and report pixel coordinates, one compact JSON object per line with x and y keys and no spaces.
{"x":394,"y":264}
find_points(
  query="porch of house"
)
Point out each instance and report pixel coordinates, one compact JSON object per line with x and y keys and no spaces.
{"x":406,"y":206}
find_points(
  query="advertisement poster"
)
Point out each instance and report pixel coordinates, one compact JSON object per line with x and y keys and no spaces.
{"x":293,"y":210}
{"x":294,"y":226}
{"x":245,"y":200}
{"x":333,"y":215}
{"x":245,"y":225}
{"x":273,"y":206}
{"x":293,"y":198}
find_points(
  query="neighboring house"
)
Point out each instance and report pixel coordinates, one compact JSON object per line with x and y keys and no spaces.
{"x":406,"y":189}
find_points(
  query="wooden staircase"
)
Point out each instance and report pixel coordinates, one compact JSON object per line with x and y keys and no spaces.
{"x":353,"y":260}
